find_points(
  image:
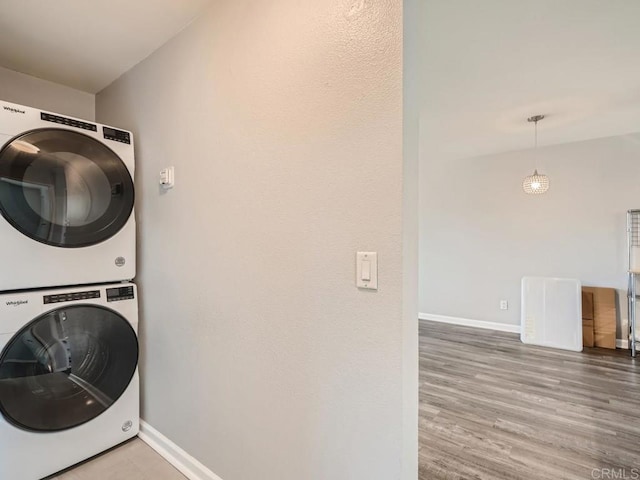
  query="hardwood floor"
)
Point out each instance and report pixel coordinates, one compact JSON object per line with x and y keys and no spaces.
{"x":493,"y":408}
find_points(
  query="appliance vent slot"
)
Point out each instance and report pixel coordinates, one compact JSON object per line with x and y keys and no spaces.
{"x":70,"y":297}
{"x":48,"y":117}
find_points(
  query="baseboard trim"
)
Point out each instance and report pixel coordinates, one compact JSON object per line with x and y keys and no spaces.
{"x":172,"y":453}
{"x":622,"y":343}
{"x":467,"y":322}
{"x":501,"y":327}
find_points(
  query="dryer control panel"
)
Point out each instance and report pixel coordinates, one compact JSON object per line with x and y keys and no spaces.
{"x":119,"y":293}
{"x":116,"y":135}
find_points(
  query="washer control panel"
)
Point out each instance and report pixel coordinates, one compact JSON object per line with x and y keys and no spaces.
{"x":69,"y":297}
{"x":119,"y":293}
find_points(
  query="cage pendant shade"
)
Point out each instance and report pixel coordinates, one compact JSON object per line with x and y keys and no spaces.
{"x":536,"y":184}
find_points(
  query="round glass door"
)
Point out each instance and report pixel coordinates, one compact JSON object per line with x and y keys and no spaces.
{"x":66,"y":367}
{"x":64,"y":188}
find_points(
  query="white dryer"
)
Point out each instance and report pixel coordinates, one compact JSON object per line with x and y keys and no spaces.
{"x":66,"y":200}
{"x":69,"y":384}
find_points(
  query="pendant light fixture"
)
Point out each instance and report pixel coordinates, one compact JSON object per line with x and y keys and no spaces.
{"x":537,"y":183}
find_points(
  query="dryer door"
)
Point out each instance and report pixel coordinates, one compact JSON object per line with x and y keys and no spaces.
{"x":64,"y":188}
{"x":66,"y":367}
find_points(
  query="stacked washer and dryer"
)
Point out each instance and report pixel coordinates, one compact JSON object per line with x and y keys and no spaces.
{"x":69,"y":384}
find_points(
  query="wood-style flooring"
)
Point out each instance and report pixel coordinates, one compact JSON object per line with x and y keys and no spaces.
{"x":492,"y":408}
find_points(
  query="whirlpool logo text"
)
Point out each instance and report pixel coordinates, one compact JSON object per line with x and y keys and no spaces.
{"x":14,"y":110}
{"x":17,"y":303}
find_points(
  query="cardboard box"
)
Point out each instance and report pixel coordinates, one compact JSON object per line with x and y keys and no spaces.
{"x":604,"y":316}
{"x":587,"y":305}
{"x":588,"y":335}
{"x":588,"y":339}
{"x":605,"y":340}
{"x":587,"y":319}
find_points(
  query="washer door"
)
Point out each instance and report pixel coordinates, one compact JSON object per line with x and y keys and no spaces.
{"x":66,"y":367}
{"x":64,"y":188}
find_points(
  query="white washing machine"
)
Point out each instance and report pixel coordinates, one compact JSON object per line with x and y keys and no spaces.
{"x":69,"y":384}
{"x":66,"y":199}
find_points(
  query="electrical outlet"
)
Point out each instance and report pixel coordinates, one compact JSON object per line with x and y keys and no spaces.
{"x":504,"y":305}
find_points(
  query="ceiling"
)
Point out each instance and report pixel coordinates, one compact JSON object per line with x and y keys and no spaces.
{"x":488,"y":65}
{"x":87,"y":44}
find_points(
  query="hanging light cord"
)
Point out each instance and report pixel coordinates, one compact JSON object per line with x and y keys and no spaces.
{"x":535,"y":119}
{"x":535,"y":146}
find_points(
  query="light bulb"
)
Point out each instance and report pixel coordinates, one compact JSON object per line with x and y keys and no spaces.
{"x":535,"y":185}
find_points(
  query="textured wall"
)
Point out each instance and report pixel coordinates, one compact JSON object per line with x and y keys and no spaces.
{"x":284,"y":122}
{"x":480,"y":233}
{"x":34,"y":92}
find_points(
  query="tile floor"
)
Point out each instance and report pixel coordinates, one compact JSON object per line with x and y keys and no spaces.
{"x":133,"y":460}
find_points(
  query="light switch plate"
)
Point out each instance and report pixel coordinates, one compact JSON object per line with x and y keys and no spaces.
{"x":367,"y":270}
{"x":167,"y":177}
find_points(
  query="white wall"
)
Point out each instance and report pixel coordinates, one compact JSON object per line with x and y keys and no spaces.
{"x":34,"y":92}
{"x":259,"y":356}
{"x":411,"y":83}
{"x":480,"y":233}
